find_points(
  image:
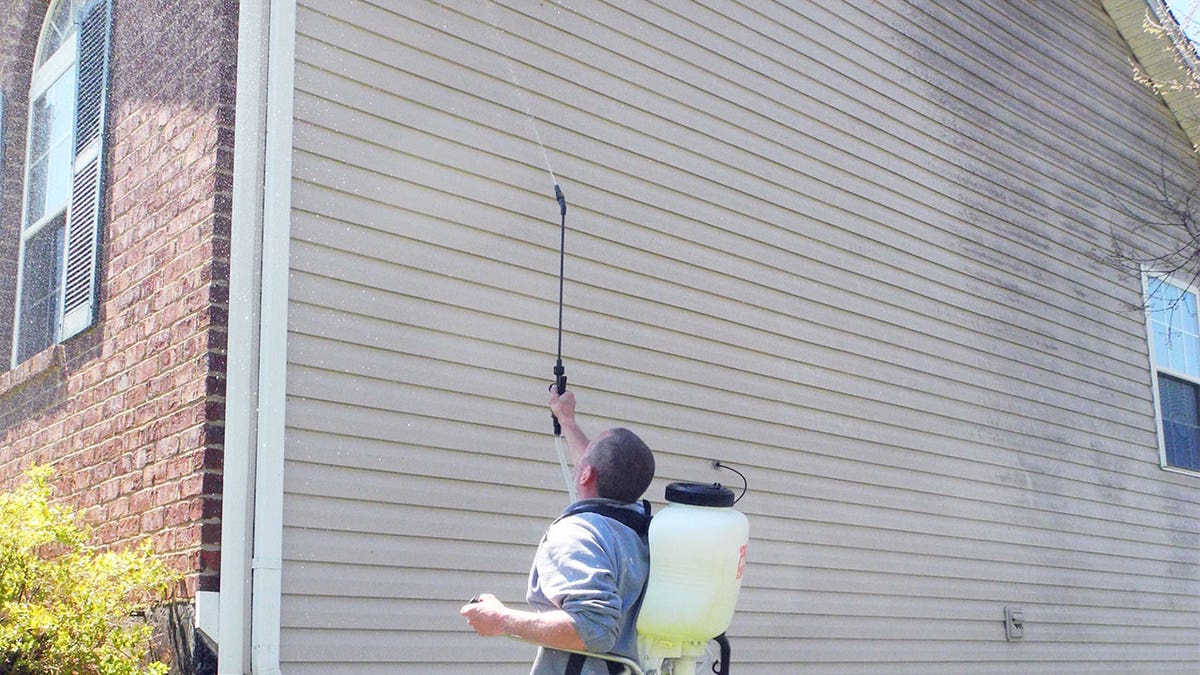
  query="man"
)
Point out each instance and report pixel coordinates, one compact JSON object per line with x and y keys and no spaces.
{"x":589,"y":570}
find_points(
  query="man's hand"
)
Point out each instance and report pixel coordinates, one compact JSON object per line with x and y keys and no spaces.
{"x":489,"y":617}
{"x":486,"y":615}
{"x":562,"y":406}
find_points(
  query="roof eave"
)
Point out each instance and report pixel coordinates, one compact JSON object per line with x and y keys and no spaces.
{"x":1171,"y":67}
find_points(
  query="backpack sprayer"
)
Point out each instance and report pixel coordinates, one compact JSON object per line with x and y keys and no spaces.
{"x":697,"y":558}
{"x":697,"y":554}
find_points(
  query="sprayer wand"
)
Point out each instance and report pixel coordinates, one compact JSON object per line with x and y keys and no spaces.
{"x":560,"y":372}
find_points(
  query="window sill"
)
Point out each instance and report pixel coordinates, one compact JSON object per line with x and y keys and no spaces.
{"x":1180,"y":470}
{"x":45,"y":363}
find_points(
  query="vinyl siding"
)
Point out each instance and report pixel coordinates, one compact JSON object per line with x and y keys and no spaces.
{"x":857,"y":254}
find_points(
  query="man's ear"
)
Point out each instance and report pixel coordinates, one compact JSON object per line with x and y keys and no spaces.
{"x":587,"y":475}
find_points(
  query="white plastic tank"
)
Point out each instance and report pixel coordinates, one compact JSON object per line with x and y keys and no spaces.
{"x":697,"y":557}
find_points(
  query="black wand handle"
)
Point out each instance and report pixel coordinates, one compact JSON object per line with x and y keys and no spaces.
{"x":560,"y":384}
{"x":560,"y":373}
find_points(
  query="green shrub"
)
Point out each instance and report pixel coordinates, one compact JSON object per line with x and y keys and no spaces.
{"x":65,"y":606}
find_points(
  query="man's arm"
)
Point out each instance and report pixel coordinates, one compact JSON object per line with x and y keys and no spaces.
{"x":563,"y":408}
{"x":554,"y":629}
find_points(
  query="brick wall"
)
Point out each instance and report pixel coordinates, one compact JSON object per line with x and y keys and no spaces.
{"x":131,"y":411}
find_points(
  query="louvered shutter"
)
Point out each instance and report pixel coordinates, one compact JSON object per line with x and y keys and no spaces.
{"x":86,"y":208}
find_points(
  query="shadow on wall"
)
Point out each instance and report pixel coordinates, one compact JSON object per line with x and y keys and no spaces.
{"x":179,"y":643}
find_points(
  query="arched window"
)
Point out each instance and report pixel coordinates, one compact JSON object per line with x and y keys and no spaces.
{"x":63,"y":181}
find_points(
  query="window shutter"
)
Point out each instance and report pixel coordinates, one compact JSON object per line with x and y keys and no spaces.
{"x":86,"y":208}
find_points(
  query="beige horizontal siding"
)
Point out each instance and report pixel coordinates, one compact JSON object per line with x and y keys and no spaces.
{"x":854,"y":249}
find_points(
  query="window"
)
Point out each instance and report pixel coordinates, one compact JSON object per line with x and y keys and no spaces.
{"x":1174,"y":331}
{"x":56,"y":286}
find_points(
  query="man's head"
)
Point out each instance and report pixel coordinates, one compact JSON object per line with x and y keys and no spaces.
{"x":617,"y":465}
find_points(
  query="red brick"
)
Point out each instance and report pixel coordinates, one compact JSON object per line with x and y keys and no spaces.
{"x":210,"y":559}
{"x":118,"y":508}
{"x":163,"y":541}
{"x":141,"y":501}
{"x":192,"y":485}
{"x":152,"y":520}
{"x":128,"y":527}
{"x":166,"y":494}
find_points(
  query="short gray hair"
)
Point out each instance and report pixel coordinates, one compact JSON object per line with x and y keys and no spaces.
{"x":624,"y":465}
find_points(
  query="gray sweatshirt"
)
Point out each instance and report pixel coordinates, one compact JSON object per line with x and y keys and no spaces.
{"x":593,"y":568}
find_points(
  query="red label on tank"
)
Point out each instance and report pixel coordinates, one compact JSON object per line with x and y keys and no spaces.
{"x":741,"y":561}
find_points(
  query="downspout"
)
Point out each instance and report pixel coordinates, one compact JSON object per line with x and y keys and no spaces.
{"x":267,"y":564}
{"x":252,"y":511}
{"x":241,"y":383}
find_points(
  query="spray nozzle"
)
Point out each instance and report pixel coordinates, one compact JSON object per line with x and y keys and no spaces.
{"x":562,"y":201}
{"x":560,"y":386}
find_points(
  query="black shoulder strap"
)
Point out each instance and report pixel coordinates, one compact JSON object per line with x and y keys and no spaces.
{"x":638,"y":522}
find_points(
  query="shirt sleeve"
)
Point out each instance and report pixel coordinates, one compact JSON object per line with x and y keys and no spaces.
{"x":576,"y":574}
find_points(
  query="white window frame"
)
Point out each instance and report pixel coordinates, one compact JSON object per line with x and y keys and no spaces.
{"x":1150,"y":277}
{"x":44,"y":76}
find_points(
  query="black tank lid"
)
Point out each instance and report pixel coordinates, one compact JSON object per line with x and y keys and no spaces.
{"x":698,"y":494}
